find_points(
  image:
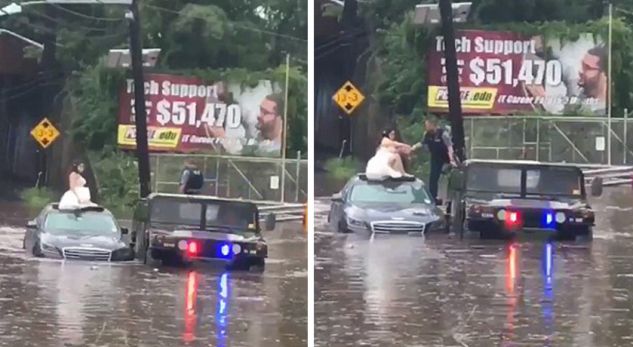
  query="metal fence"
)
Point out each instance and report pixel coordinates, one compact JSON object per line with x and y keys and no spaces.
{"x":551,"y":139}
{"x":260,"y":179}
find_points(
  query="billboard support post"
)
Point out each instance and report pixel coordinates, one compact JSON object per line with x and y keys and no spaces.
{"x":452,"y":74}
{"x":610,"y":84}
{"x":285,"y":132}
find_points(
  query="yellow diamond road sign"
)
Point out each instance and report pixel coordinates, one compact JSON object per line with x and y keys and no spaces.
{"x":348,"y":97}
{"x":45,"y":133}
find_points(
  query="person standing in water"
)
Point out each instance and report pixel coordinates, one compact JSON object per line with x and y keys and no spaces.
{"x":438,"y":142}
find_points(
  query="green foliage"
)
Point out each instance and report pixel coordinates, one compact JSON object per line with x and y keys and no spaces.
{"x":116,"y":175}
{"x":342,"y":169}
{"x":37,"y":198}
{"x":94,"y":99}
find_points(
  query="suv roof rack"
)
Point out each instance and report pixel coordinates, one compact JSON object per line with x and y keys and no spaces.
{"x":363,"y":177}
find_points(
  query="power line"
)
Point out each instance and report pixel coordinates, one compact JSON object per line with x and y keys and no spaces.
{"x":86,"y":16}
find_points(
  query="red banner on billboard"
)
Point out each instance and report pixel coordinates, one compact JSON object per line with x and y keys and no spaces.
{"x":184,"y":114}
{"x":508,"y":73}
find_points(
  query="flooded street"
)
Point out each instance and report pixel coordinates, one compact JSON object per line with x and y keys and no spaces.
{"x":54,"y":303}
{"x":440,"y":291}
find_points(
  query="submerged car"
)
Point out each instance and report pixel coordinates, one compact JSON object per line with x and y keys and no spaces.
{"x":86,"y":233}
{"x":181,"y":229}
{"x":390,"y":206}
{"x":501,"y":199}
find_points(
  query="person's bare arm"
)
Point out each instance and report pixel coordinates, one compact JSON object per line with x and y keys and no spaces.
{"x":449,"y":145}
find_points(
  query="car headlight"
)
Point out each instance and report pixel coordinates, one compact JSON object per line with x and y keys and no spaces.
{"x":355,"y":222}
{"x":237,"y":249}
{"x":50,"y":248}
{"x":501,"y":215}
{"x":560,"y":217}
{"x":123,"y":254}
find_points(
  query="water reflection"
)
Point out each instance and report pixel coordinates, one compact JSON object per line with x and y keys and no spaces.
{"x":191,"y":295}
{"x":222,"y":309}
{"x":515,"y":287}
{"x":511,"y":281}
{"x":194,"y":308}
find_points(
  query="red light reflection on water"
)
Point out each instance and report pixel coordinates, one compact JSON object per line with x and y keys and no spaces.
{"x":190,"y":306}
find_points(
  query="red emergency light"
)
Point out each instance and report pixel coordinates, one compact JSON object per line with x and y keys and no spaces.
{"x":513,"y":219}
{"x":192,"y":248}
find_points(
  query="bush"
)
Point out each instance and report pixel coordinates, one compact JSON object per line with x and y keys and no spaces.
{"x":342,"y":168}
{"x":117,"y":181}
{"x":37,"y":198}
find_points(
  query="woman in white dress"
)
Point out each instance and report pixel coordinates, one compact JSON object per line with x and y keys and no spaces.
{"x":78,"y":193}
{"x":387,"y":162}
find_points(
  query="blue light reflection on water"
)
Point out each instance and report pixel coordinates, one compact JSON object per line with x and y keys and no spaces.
{"x":548,"y":290}
{"x":222,"y":309}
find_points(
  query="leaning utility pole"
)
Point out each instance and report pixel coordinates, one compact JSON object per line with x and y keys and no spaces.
{"x":452,"y":74}
{"x":142,"y":148}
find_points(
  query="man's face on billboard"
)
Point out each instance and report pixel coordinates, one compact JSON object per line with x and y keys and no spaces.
{"x":590,"y":74}
{"x":267,"y":116}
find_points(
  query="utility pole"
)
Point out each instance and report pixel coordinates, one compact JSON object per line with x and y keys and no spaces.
{"x":142,"y":148}
{"x":452,"y":74}
{"x":349,"y":24}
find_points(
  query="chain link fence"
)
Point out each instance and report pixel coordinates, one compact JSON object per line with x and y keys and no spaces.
{"x":248,"y":178}
{"x":573,"y":140}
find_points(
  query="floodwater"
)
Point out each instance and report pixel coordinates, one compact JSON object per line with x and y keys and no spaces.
{"x":53,"y":303}
{"x":442,"y":291}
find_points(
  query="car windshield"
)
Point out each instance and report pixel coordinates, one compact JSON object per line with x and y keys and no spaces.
{"x":93,"y":223}
{"x":553,"y":181}
{"x":550,"y":181}
{"x":401,"y":193}
{"x":234,"y":216}
{"x":494,"y":179}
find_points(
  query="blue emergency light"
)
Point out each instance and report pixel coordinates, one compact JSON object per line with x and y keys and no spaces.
{"x":548,"y":219}
{"x":225,"y":250}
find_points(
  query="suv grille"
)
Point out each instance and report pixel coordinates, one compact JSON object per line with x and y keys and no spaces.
{"x":87,"y":254}
{"x":397,"y":227}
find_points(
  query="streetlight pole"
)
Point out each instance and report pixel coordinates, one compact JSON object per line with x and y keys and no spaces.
{"x":452,"y":74}
{"x":142,"y":147}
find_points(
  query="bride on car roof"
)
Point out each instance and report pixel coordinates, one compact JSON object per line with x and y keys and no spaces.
{"x":77,"y":194}
{"x":387,"y":162}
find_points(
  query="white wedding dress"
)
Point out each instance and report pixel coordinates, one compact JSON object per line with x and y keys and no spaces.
{"x":80,"y":197}
{"x":378,"y":167}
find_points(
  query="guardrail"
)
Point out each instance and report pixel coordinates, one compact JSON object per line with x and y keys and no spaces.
{"x":283,"y":213}
{"x":611,"y":176}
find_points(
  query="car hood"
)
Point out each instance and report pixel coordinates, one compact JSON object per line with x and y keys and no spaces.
{"x":81,"y":240}
{"x":375,"y":212}
{"x":533,"y":203}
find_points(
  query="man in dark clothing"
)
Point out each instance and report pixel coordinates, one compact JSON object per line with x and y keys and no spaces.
{"x":438,"y":142}
{"x":192,"y":179}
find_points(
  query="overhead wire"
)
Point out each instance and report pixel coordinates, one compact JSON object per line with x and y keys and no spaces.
{"x":86,"y":16}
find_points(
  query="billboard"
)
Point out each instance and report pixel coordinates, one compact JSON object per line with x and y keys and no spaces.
{"x":508,"y":73}
{"x":186,"y":115}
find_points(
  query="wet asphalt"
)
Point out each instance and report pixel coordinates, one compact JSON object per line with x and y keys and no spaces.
{"x":53,"y":303}
{"x":442,"y":291}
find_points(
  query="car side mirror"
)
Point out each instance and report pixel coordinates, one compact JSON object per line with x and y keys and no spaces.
{"x":125,"y":231}
{"x":32,"y":224}
{"x":596,"y":186}
{"x":270,"y":222}
{"x":338,"y":197}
